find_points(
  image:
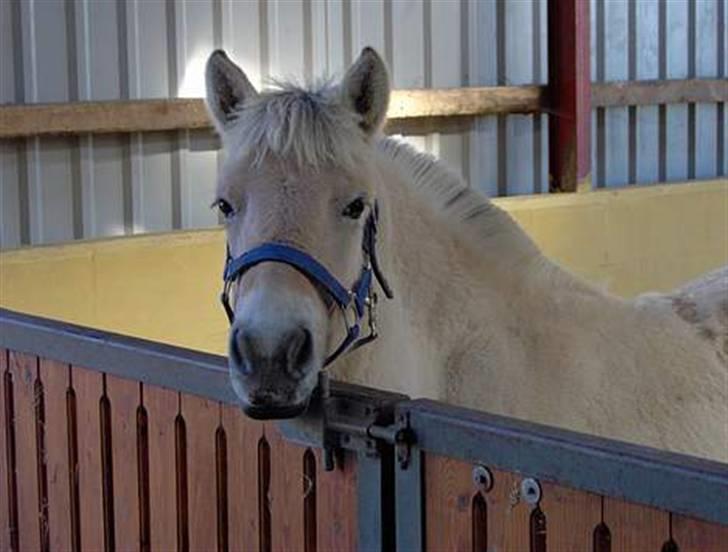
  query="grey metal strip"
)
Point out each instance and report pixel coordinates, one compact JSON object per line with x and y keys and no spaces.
{"x":673,"y":482}
{"x":409,"y":509}
{"x":369,"y":502}
{"x":149,"y":362}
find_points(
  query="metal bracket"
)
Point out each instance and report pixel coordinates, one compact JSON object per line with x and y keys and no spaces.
{"x":362,"y":421}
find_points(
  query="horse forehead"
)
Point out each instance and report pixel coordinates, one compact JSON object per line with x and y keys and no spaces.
{"x":295,"y":186}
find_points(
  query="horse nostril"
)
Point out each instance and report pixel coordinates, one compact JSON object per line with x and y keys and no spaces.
{"x":235,"y":355}
{"x":299,"y":352}
{"x":237,"y":350}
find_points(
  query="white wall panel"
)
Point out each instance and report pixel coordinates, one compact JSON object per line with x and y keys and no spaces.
{"x":484,"y":152}
{"x":519,"y":64}
{"x":616,"y":124}
{"x":647,"y":52}
{"x":706,"y":63}
{"x":676,"y":125}
{"x":408,"y":51}
{"x":367,"y":28}
{"x":242,"y":35}
{"x":56,"y":189}
{"x":49,"y":176}
{"x":11,"y":188}
{"x":446,"y":66}
{"x":286,"y":32}
{"x":197,"y":151}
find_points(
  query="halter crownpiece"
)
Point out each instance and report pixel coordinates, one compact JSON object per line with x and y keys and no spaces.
{"x":360,"y":299}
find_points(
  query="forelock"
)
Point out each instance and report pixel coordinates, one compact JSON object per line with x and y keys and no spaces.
{"x":309,"y":127}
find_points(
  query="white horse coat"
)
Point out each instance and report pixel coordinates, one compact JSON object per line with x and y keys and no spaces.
{"x":480,"y":317}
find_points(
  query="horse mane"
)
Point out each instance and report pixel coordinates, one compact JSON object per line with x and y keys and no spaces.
{"x":464,"y":207}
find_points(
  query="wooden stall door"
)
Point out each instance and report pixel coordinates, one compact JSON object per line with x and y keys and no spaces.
{"x":90,"y":461}
{"x":460,"y":516}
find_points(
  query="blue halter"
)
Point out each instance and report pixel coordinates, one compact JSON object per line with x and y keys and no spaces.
{"x":360,"y":299}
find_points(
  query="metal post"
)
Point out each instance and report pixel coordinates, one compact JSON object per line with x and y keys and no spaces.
{"x":408,"y":503}
{"x":569,"y":96}
{"x":369,"y":502}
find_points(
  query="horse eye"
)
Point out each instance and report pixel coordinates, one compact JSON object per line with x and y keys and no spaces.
{"x":225,"y":208}
{"x":354,"y":209}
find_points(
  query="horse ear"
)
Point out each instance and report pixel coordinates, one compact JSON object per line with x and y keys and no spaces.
{"x":365,"y":89}
{"x":227,"y":89}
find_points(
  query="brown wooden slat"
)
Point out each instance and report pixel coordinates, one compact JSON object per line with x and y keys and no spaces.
{"x":286,"y":491}
{"x":162,"y":406}
{"x":202,"y":417}
{"x":693,"y":535}
{"x":88,"y":386}
{"x":4,"y":490}
{"x":124,"y":398}
{"x":242,"y":439}
{"x":24,"y":372}
{"x":336,"y":505}
{"x":635,"y":527}
{"x":56,"y":381}
{"x":449,"y":494}
{"x":508,"y":517}
{"x":571,"y":517}
{"x":654,"y":92}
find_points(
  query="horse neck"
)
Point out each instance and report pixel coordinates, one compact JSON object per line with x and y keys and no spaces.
{"x":435,"y":250}
{"x":437,"y":267}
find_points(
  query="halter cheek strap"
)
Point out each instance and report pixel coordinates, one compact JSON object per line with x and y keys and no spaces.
{"x":360,"y":299}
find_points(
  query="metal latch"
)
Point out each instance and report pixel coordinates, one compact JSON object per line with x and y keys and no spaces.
{"x":352,"y":418}
{"x":364,"y":429}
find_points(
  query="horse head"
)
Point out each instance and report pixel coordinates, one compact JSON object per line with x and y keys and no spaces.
{"x":298,"y":194}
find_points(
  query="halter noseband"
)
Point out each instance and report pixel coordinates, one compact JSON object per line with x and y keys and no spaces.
{"x":361,"y":299}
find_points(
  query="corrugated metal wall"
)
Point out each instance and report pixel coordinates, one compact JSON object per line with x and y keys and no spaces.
{"x":55,"y":189}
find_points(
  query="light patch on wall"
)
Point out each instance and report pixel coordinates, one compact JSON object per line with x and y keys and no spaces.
{"x":193,"y":82}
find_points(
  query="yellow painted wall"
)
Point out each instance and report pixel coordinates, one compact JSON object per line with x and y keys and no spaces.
{"x":165,"y":287}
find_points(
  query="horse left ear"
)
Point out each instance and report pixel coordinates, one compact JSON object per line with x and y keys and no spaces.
{"x":228,"y":88}
{"x":365,"y":89}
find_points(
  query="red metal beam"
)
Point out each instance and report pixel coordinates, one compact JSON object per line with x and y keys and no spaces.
{"x":569,"y":96}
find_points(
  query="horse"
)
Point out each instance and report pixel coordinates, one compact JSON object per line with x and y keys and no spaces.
{"x":324,"y":215}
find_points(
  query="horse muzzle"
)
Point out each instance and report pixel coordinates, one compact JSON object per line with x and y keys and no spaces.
{"x":274,"y":412}
{"x":271,"y":372}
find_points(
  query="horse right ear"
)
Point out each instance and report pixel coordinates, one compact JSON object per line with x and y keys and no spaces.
{"x":227,"y":89}
{"x":365,"y":89}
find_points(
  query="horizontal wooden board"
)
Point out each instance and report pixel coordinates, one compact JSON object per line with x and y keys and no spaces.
{"x":656,"y":92}
{"x":409,"y":110}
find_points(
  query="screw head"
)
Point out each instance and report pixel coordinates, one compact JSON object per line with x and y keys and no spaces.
{"x":482,"y":478}
{"x":531,"y":490}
